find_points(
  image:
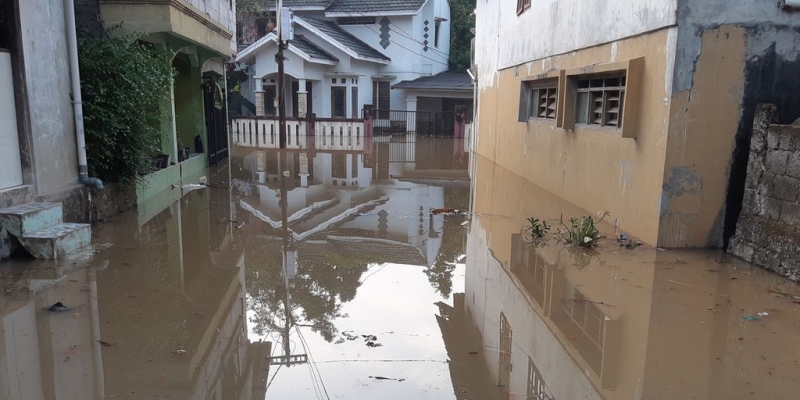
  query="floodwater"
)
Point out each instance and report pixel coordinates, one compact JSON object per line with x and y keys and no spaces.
{"x":336,"y":280}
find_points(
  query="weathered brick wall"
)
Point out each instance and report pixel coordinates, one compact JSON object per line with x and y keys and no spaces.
{"x":768,"y":230}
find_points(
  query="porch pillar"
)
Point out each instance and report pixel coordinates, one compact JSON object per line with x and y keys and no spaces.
{"x":260,"y":109}
{"x":411,"y":115}
{"x":302,"y":99}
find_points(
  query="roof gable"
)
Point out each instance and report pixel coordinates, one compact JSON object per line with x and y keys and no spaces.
{"x":343,"y":39}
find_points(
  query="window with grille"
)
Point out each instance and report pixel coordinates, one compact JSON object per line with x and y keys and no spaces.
{"x":543,"y":103}
{"x":539,"y":99}
{"x":536,"y":386}
{"x":504,"y":362}
{"x":523,"y":5}
{"x":600,"y":100}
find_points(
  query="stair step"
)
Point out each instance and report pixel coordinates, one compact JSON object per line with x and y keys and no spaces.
{"x":32,"y":217}
{"x":58,"y":240}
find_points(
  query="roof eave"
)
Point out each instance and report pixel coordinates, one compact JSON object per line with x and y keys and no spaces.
{"x":399,"y":13}
{"x":250,"y":51}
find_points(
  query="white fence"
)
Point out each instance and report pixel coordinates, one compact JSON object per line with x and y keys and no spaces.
{"x":330,"y":134}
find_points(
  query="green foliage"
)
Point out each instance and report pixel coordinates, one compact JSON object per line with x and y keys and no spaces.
{"x":461,"y":21}
{"x":582,"y":231}
{"x":538,"y":228}
{"x":123,"y":84}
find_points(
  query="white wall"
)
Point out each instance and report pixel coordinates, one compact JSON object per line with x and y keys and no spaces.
{"x":220,"y":11}
{"x":552,"y":27}
{"x":490,"y":291}
{"x":9,"y":137}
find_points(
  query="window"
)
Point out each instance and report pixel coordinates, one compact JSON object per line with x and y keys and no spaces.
{"x":543,"y":102}
{"x":436,"y":29}
{"x":354,"y":101}
{"x":356,"y":21}
{"x":523,"y":5}
{"x":539,"y":99}
{"x":600,"y":100}
{"x":536,"y":386}
{"x":504,"y":363}
{"x":5,"y":25}
{"x":338,"y":101}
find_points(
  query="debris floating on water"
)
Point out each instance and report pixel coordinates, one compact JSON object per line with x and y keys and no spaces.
{"x":57,"y":307}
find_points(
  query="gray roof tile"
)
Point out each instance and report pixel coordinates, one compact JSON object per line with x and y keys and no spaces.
{"x":448,"y":80}
{"x":314,"y":51}
{"x":345,"y":38}
{"x":374,"y":6}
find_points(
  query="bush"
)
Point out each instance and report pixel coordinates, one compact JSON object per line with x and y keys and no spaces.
{"x":124,"y":85}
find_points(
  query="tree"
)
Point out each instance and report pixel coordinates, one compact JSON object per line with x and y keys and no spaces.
{"x":461,"y":23}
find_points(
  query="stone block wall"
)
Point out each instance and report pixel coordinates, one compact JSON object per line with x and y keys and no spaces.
{"x":768,"y":229}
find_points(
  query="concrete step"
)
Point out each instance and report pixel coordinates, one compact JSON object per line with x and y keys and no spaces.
{"x":58,"y":240}
{"x":32,"y":217}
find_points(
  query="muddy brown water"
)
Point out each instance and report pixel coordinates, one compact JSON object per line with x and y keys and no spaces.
{"x":338,"y":282}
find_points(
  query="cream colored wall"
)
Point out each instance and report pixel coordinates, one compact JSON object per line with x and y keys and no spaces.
{"x":184,"y":21}
{"x":703,"y":125}
{"x":595,"y":169}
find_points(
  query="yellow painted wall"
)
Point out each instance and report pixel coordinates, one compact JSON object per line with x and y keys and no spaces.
{"x":593,"y":168}
{"x":703,"y":125}
{"x":172,"y":17}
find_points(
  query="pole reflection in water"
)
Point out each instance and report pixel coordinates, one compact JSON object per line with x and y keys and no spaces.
{"x":311,"y":271}
{"x":343,"y":233}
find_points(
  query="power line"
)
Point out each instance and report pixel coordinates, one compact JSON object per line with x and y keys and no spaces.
{"x":313,"y":362}
{"x":407,"y":49}
{"x":403,"y":33}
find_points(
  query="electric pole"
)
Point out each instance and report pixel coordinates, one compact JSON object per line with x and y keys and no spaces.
{"x":281,"y":78}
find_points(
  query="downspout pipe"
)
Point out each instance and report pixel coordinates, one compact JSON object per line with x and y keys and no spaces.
{"x":77,"y":104}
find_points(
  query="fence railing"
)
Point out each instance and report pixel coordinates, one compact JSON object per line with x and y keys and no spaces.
{"x":263,"y":132}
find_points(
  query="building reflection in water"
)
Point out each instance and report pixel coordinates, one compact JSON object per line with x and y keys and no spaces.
{"x":160,"y":313}
{"x":174,"y":306}
{"x":555,"y":323}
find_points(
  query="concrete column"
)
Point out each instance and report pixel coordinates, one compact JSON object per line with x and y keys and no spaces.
{"x":411,"y":118}
{"x":259,"y":92}
{"x":302,"y":99}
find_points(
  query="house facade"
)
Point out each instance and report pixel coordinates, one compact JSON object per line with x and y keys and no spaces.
{"x":346,"y":55}
{"x":645,"y":110}
{"x":38,"y":152}
{"x":201,"y":35}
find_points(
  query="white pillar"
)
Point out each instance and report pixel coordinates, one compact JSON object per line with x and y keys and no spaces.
{"x":411,"y":118}
{"x":302,"y":99}
{"x":260,"y":106}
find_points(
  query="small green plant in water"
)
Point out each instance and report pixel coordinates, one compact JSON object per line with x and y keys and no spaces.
{"x":582,"y":231}
{"x":538,"y":228}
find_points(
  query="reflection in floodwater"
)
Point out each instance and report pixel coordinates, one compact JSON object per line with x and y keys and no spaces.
{"x":320,"y":271}
{"x":312,"y":271}
{"x":614,"y":323}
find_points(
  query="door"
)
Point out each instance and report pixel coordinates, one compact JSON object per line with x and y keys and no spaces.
{"x":9,"y":135}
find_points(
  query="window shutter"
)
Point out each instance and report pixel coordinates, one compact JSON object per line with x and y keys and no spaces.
{"x":383,"y":95}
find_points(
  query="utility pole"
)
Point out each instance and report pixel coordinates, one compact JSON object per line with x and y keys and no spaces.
{"x":281,"y":78}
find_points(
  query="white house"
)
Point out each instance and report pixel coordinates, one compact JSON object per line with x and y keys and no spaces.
{"x":347,"y":54}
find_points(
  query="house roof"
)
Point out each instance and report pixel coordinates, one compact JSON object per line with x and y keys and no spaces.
{"x":350,"y":44}
{"x":312,"y":50}
{"x":301,"y":4}
{"x":448,"y":80}
{"x":360,"y":7}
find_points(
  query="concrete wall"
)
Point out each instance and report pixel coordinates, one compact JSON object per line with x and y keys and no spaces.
{"x":552,"y":27}
{"x":594,"y":168}
{"x":766,"y":233}
{"x":732,"y":55}
{"x":48,"y":89}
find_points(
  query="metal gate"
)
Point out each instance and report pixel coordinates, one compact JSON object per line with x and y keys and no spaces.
{"x":216,"y":124}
